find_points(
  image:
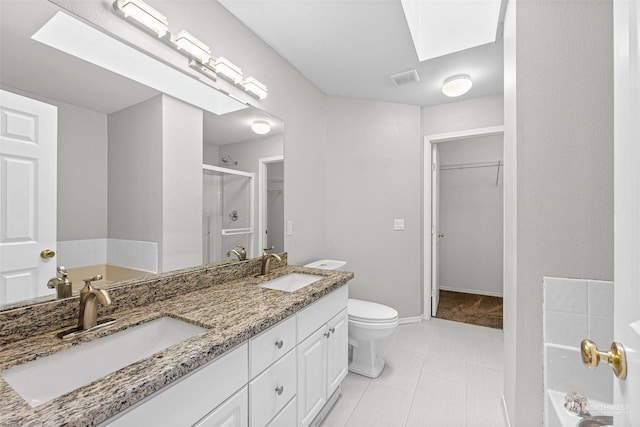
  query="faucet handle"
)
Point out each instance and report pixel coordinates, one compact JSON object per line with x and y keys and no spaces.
{"x":266,"y":250}
{"x":62,"y":271}
{"x":87,"y":282}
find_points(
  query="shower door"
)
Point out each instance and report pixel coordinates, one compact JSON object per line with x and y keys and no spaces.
{"x":228,"y":197}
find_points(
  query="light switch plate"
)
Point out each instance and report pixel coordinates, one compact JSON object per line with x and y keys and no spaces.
{"x":398,"y":224}
{"x":289,"y":227}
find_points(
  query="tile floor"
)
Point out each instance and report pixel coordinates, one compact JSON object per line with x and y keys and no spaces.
{"x":438,"y":373}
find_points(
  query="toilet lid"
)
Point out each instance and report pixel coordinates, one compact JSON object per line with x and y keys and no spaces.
{"x":366,"y":311}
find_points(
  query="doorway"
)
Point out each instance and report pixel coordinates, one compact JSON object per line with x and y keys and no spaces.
{"x":271,"y":203}
{"x":462,"y":261}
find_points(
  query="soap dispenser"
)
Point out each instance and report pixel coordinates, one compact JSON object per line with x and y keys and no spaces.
{"x":61,"y":283}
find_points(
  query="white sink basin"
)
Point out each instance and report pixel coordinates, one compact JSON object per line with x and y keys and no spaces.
{"x":291,"y":282}
{"x":49,"y":377}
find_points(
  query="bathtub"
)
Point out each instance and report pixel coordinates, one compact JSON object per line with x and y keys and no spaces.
{"x":565,"y":372}
{"x":110,"y":273}
{"x":558,"y":416}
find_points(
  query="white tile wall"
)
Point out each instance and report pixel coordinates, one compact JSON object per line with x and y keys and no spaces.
{"x":133,"y":254}
{"x":574,"y":310}
{"x":126,"y":253}
{"x":577,"y":309}
{"x":566,"y":295}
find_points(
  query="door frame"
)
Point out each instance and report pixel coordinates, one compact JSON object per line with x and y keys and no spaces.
{"x":262,"y":197}
{"x":427,"y":201}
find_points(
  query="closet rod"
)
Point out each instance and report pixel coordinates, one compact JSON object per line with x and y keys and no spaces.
{"x":472,"y":165}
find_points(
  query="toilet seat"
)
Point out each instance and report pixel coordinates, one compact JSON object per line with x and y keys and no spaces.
{"x":370,"y":312}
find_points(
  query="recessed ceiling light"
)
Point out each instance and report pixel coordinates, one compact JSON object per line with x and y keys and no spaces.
{"x":457,"y":85}
{"x":261,"y":127}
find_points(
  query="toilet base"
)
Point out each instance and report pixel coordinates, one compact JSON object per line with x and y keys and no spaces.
{"x":367,"y":361}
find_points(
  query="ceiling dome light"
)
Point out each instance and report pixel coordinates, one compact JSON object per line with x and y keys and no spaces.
{"x":457,"y":85}
{"x":261,"y":127}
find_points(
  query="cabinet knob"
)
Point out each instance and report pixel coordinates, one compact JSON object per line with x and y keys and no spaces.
{"x":327,"y":334}
{"x":332,"y":330}
{"x":279,"y":390}
{"x":279,"y":344}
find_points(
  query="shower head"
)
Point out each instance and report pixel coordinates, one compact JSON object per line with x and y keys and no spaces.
{"x":228,"y":160}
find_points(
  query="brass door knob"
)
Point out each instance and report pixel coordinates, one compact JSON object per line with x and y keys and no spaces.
{"x":616,"y":357}
{"x":47,"y":253}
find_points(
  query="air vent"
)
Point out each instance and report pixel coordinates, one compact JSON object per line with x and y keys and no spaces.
{"x":405,"y":77}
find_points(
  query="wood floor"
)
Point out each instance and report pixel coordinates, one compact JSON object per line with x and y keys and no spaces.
{"x":479,"y":310}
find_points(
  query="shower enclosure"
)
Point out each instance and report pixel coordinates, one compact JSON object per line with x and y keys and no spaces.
{"x":228,"y":198}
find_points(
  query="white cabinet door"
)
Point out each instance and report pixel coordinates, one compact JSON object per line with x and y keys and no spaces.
{"x":312,"y":376}
{"x":232,"y":413}
{"x":28,"y":164}
{"x":337,"y":352}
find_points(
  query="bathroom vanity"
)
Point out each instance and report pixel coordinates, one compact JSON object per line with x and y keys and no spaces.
{"x":265,"y":357}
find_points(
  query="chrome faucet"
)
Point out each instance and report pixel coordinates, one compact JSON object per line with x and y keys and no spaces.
{"x":241,"y":254}
{"x":266,"y":260}
{"x":90,"y":297}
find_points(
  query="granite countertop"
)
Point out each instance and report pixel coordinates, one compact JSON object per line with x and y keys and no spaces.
{"x":232,"y":312}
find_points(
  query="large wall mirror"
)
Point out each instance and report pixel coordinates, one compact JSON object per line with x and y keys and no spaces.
{"x":118,"y":158}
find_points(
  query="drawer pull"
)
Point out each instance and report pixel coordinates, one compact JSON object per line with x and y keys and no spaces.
{"x":327,"y":334}
{"x":332,"y":330}
{"x":279,"y":390}
{"x":279,"y":344}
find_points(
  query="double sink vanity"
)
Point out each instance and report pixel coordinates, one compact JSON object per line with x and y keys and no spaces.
{"x":214,"y":345}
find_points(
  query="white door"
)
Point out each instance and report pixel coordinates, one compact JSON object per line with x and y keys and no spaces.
{"x":435,"y":228}
{"x":312,"y":376}
{"x":28,"y":147}
{"x":337,"y":351}
{"x":627,"y":206}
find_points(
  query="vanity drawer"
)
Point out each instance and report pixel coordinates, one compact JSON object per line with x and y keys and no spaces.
{"x":270,"y":345}
{"x":195,"y":394}
{"x":271,"y":390}
{"x":320,"y":312}
{"x":286,"y":417}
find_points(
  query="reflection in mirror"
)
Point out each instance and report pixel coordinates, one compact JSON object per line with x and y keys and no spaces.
{"x":109,"y":145}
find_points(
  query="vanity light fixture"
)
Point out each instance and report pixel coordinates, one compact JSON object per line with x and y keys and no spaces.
{"x":198,"y":52}
{"x":261,"y":127}
{"x":255,"y":88}
{"x":457,"y":85}
{"x":141,"y":12}
{"x":227,"y":69}
{"x":193,"y":47}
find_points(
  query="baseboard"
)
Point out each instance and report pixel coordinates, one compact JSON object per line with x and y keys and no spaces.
{"x":505,"y":413}
{"x":413,"y":319}
{"x":472,"y":291}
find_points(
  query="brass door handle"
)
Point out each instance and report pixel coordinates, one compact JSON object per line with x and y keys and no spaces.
{"x":47,"y":253}
{"x":616,"y":357}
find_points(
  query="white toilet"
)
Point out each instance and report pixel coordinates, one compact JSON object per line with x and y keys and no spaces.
{"x":370,"y":324}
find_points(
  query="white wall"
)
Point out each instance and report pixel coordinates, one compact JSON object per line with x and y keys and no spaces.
{"x":462,"y":115}
{"x":82,"y":173}
{"x":373,"y":176}
{"x":559,"y":149}
{"x":135,"y":172}
{"x":181,"y":185}
{"x":470,"y":256}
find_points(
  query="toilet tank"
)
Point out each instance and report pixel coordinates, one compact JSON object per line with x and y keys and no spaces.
{"x":327,"y":264}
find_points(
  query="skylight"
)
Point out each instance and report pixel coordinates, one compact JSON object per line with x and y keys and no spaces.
{"x":440,"y":27}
